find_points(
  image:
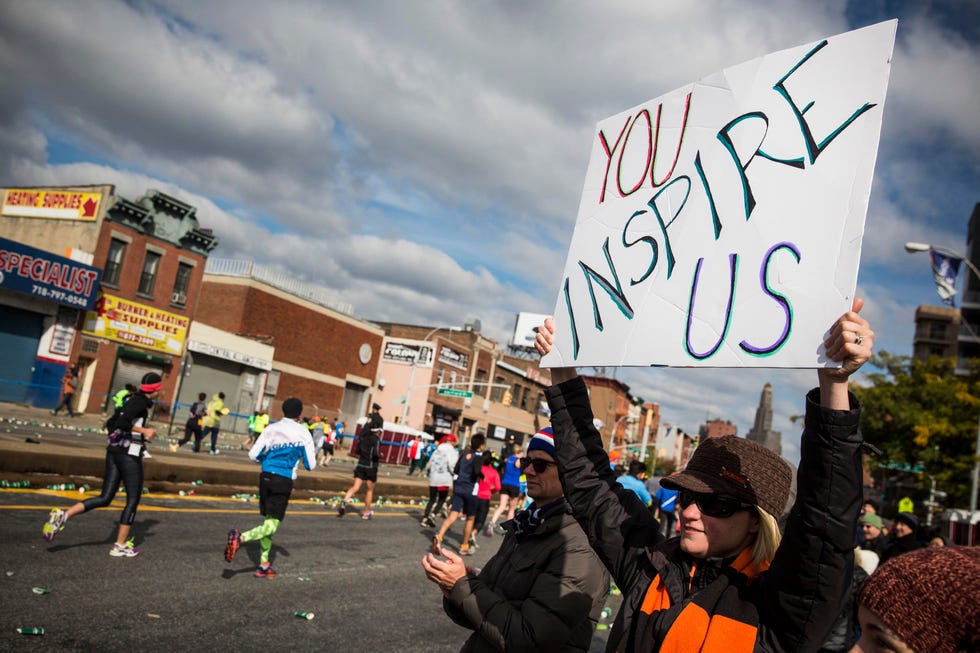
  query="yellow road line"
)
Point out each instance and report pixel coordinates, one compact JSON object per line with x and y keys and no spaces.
{"x":149,"y":508}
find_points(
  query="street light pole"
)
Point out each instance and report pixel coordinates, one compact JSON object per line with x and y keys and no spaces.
{"x":923,"y":247}
{"x":415,"y":362}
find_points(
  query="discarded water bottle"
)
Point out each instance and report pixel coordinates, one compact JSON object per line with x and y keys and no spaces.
{"x":30,"y":631}
{"x":305,"y":615}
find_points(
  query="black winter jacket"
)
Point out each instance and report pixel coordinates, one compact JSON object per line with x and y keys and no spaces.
{"x":790,"y":607}
{"x":542,"y":593}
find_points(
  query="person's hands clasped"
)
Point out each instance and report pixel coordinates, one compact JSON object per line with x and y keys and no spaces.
{"x":851,"y":340}
{"x":444,"y":573}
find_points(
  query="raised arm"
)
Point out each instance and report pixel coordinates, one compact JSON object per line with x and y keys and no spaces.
{"x":810,"y":575}
{"x":614,"y":518}
{"x":850,"y":340}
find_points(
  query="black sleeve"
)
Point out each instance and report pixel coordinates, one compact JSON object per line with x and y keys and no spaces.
{"x":810,"y":576}
{"x":614,"y":518}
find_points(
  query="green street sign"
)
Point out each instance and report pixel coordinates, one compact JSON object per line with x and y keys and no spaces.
{"x":903,"y":467}
{"x":453,"y":392}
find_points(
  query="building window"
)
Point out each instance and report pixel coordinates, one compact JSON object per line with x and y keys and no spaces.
{"x":113,"y":263}
{"x":497,"y":394}
{"x":937,"y":330}
{"x":149,"y":277}
{"x":181,"y":283}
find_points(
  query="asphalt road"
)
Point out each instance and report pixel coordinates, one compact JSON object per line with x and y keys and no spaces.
{"x":362,"y":579}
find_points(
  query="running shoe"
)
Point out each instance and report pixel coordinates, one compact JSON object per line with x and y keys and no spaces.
{"x":126,"y":550}
{"x":465,"y":550}
{"x":488,"y":531}
{"x":473,"y":544}
{"x":234,"y":543}
{"x":265,"y":571}
{"x":427,"y":521}
{"x":342,"y":509}
{"x":55,"y":524}
{"x":368,"y":515}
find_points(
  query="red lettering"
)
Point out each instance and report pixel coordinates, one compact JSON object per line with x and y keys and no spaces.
{"x":66,"y":274}
{"x":13,"y":260}
{"x":649,"y":147}
{"x":653,"y":145}
{"x":38,"y":267}
{"x":51,"y":273}
{"x":22,"y":198}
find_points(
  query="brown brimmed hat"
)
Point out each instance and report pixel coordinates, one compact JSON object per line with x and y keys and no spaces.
{"x":738,"y":468}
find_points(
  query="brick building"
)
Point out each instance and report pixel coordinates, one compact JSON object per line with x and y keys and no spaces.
{"x":937,"y":330}
{"x":150,"y":257}
{"x":455,"y":380}
{"x":321,"y":354}
{"x":152,"y":252}
{"x":612,"y":405}
{"x":715,"y":428}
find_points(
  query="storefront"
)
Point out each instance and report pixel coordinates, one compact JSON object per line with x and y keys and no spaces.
{"x":40,"y":297}
{"x":218,"y":361}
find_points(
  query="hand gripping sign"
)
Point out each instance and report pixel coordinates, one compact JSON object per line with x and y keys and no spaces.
{"x":720,"y":224}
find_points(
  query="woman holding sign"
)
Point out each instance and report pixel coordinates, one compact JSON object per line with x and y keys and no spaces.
{"x":729,"y":582}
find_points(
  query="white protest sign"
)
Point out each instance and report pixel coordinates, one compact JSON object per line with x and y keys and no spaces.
{"x":720,"y":224}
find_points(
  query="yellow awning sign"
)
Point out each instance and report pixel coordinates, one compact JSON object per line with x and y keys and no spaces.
{"x":57,"y":204}
{"x":126,"y":321}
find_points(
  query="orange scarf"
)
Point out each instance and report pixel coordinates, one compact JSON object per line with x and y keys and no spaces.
{"x":696,"y":629}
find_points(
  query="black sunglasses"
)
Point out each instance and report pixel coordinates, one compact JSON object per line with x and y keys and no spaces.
{"x":712,"y":505}
{"x":539,"y":464}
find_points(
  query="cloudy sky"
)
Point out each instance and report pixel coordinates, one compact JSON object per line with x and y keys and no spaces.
{"x":424,"y":160}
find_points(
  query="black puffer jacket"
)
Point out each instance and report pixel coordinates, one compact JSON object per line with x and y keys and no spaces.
{"x":542,"y":592}
{"x":790,"y":607}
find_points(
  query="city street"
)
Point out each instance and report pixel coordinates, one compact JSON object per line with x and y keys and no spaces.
{"x":361,"y":579}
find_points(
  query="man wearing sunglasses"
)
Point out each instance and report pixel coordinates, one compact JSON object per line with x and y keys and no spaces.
{"x":729,"y":582}
{"x":544,"y":589}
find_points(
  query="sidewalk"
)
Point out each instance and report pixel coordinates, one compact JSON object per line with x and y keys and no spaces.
{"x":47,"y":449}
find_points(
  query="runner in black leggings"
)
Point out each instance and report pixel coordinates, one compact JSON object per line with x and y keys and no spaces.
{"x":123,"y":463}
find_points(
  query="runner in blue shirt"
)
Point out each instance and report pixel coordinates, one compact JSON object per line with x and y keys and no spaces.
{"x":280,"y":448}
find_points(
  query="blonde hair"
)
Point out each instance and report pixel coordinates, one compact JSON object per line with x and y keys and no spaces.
{"x":767,"y":539}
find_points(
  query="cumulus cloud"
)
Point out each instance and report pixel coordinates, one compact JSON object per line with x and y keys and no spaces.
{"x":425,"y":160}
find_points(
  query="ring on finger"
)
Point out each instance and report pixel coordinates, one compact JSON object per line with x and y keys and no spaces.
{"x":858,"y":338}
